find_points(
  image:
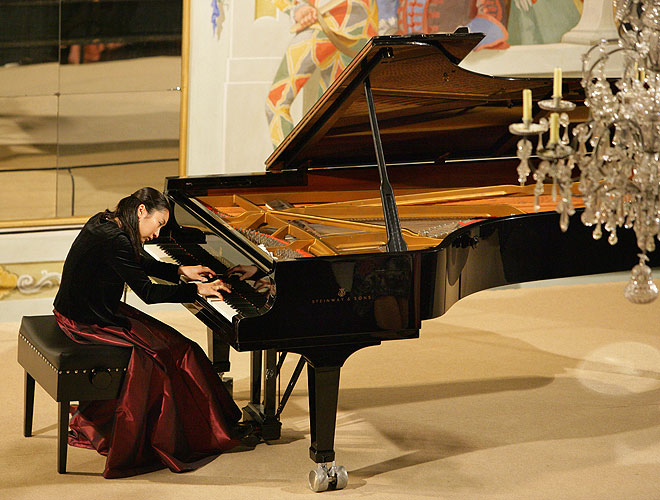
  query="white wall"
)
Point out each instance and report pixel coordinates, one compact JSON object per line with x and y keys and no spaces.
{"x":229,"y":78}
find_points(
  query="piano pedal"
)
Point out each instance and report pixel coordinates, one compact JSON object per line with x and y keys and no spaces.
{"x":325,"y":478}
{"x":269,"y":428}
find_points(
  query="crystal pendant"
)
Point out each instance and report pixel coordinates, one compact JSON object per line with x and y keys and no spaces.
{"x":641,"y":289}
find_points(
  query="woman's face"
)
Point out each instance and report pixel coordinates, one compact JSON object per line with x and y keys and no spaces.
{"x":149,"y":224}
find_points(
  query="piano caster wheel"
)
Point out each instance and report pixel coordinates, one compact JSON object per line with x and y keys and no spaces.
{"x":323,"y":478}
{"x":342,"y":478}
{"x":318,"y":479}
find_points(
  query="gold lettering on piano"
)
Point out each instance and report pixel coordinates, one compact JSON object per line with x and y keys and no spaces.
{"x":342,"y":298}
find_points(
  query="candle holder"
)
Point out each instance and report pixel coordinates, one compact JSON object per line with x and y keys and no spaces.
{"x":555,"y":163}
{"x":556,"y":105}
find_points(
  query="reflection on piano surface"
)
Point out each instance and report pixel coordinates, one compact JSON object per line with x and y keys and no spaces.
{"x":316,"y":229}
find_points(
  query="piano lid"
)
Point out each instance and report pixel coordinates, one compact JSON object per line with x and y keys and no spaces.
{"x":428,"y":108}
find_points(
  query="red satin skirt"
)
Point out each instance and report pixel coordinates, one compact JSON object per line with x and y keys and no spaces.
{"x":173,"y":411}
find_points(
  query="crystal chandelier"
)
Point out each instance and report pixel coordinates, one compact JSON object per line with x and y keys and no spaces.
{"x":617,"y":150}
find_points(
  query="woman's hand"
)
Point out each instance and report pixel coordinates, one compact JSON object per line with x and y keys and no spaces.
{"x":213,"y":288}
{"x":196,"y":273}
{"x":245,"y":272}
{"x":305,"y":16}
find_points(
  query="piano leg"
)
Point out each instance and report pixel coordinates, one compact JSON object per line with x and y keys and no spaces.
{"x":323,"y":386}
{"x":323,"y":368}
{"x":218,"y":352}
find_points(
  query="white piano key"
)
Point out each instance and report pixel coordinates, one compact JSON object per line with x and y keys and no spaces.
{"x":157,"y":253}
{"x":222,"y":307}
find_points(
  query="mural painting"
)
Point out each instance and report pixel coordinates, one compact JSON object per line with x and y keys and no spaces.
{"x":261,"y":64}
{"x":326,"y":37}
{"x":326,"y":34}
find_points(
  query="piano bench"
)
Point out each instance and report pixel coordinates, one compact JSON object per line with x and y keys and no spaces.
{"x":66,"y":370}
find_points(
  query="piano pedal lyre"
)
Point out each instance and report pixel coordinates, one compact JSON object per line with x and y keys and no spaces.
{"x":292,"y":381}
{"x":260,"y":410}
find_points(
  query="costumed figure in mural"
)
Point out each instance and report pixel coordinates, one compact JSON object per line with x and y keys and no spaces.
{"x":444,"y":16}
{"x":328,"y":34}
{"x":542,"y":21}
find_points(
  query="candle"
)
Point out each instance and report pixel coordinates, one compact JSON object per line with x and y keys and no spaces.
{"x":556,"y":87}
{"x":554,"y":129}
{"x":527,"y":106}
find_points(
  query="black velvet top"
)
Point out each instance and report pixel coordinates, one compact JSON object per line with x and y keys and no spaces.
{"x":100,"y":261}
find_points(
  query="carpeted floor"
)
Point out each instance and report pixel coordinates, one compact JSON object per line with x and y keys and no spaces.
{"x":534,"y":393}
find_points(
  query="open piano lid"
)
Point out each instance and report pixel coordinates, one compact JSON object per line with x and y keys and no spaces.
{"x":428,"y":108}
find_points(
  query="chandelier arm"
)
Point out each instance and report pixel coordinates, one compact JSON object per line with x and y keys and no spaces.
{"x":598,"y":46}
{"x":603,"y":58}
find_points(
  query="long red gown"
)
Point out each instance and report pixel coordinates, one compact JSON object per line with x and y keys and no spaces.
{"x":173,"y":410}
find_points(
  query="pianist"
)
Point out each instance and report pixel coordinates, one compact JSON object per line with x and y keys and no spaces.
{"x":173,"y":410}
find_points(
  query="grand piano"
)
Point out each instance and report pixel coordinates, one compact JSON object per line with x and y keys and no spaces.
{"x":393,"y":198}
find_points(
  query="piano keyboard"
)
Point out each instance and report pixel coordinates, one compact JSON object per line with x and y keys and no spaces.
{"x":243,"y":299}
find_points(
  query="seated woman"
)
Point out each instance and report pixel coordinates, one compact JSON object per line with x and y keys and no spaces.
{"x":173,"y":410}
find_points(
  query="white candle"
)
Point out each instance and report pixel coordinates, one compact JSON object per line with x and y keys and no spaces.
{"x":527,"y":106}
{"x":556,"y":87}
{"x":554,"y":129}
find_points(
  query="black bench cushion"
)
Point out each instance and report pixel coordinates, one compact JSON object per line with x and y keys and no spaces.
{"x":63,"y":353}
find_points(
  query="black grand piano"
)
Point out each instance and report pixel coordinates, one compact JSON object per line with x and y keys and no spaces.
{"x":338,"y":264}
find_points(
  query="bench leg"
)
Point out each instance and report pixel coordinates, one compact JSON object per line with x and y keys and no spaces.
{"x":28,"y":405}
{"x":62,"y":435}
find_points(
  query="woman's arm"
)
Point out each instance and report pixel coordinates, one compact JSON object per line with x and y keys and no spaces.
{"x":157,"y":269}
{"x":133,"y":271}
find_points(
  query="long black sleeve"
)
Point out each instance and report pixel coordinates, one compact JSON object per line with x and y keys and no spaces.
{"x":129,"y":267}
{"x":100,"y":262}
{"x":157,"y":269}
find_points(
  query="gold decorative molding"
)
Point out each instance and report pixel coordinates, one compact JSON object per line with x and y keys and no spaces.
{"x":30,"y":280}
{"x":185,"y":74}
{"x":8,"y":282}
{"x":59,"y":221}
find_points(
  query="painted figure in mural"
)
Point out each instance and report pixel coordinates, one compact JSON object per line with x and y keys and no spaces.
{"x":444,"y":16}
{"x":328,"y":34}
{"x":504,"y":22}
{"x":170,"y":386}
{"x":542,"y":21}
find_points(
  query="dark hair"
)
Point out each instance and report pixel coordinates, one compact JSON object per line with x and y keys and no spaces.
{"x":126,"y":212}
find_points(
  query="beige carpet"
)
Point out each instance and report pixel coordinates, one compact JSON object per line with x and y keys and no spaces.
{"x":535,"y":393}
